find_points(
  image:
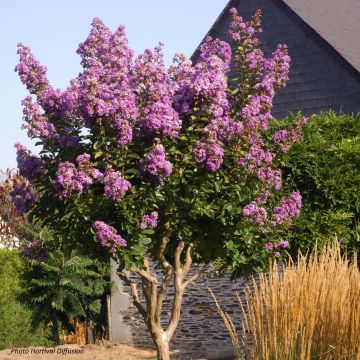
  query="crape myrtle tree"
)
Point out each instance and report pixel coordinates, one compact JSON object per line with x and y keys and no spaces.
{"x":161,"y":165}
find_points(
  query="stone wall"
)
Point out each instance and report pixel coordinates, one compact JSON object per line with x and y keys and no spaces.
{"x":201,"y":332}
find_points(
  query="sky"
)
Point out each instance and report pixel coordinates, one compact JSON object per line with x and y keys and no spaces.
{"x":53,"y":29}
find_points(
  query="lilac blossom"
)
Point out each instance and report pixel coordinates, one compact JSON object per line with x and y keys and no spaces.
{"x":71,"y":180}
{"x":149,"y":221}
{"x":282,"y":245}
{"x":108,"y":236}
{"x":37,"y":123}
{"x":115,"y":185}
{"x":285,"y":138}
{"x":29,"y":165}
{"x":287,"y":209}
{"x":209,"y":154}
{"x":270,"y":176}
{"x":67,"y":180}
{"x":21,"y":195}
{"x":31,"y":72}
{"x":105,"y":86}
{"x":256,"y":213}
{"x":155,"y":163}
{"x":154,"y":84}
{"x":83,"y":159}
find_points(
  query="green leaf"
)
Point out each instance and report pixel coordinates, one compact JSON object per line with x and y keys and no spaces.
{"x":98,"y":154}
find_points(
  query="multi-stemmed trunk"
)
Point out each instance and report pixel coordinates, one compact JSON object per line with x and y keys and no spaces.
{"x":155,"y":291}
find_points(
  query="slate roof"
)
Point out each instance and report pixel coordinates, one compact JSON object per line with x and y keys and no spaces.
{"x":336,"y":21}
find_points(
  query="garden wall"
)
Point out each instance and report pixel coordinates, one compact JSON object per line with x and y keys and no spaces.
{"x":201,"y":332}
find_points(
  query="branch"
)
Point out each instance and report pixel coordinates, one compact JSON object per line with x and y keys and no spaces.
{"x":188,"y":259}
{"x":177,"y":261}
{"x":162,"y":292}
{"x":134,"y":293}
{"x":190,"y":280}
{"x":175,"y":312}
{"x":149,"y":285}
{"x":161,"y":248}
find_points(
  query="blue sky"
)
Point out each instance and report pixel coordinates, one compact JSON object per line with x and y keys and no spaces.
{"x":53,"y":30}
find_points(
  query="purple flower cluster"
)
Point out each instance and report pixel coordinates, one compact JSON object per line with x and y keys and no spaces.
{"x":37,"y":124}
{"x":209,"y":154}
{"x":149,"y":221}
{"x":256,"y":213}
{"x":108,"y":236}
{"x":72,"y":181}
{"x":105,"y":86}
{"x":21,"y":195}
{"x":262,"y":198}
{"x":287,"y":209}
{"x":31,"y":72}
{"x":155,"y":163}
{"x":115,"y":185}
{"x":270,"y":176}
{"x":255,"y":158}
{"x":206,"y":84}
{"x":29,"y":165}
{"x":276,"y":248}
{"x":153,"y":84}
{"x":34,"y":250}
{"x":242,"y":32}
{"x":284,"y":138}
{"x":267,"y":75}
{"x":257,"y":161}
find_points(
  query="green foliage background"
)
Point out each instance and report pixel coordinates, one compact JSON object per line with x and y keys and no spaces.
{"x":16,"y":316}
{"x":325,"y":168}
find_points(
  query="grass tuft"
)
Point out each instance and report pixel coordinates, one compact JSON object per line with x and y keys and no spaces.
{"x":310,"y":309}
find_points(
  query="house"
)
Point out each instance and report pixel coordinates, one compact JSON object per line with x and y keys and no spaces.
{"x":323,"y":37}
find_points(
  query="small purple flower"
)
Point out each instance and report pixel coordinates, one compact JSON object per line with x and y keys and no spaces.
{"x":282,"y":245}
{"x":256,"y":213}
{"x":31,"y":72}
{"x":108,"y":236}
{"x":68,"y":180}
{"x":83,"y":159}
{"x":209,"y":154}
{"x":115,"y":185}
{"x":269,"y":246}
{"x":155,"y":163}
{"x":21,"y":195}
{"x":29,"y":165}
{"x":149,"y":221}
{"x":287,"y":209}
{"x":73,"y":181}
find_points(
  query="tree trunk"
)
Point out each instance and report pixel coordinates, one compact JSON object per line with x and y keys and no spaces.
{"x":155,"y":294}
{"x":55,"y":331}
{"x":162,"y":346}
{"x":89,"y":332}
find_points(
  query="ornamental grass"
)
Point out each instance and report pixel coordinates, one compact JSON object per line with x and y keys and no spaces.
{"x":308,"y":309}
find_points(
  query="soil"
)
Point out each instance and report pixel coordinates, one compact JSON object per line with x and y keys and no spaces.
{"x":75,"y":352}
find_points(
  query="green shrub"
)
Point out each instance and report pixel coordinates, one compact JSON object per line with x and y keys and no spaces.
{"x":16,"y":316}
{"x":325,"y":169}
{"x":69,"y":286}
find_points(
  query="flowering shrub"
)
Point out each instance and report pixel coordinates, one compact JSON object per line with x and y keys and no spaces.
{"x":174,"y":158}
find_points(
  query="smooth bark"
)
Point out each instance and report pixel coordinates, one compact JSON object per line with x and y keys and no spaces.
{"x":155,"y":292}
